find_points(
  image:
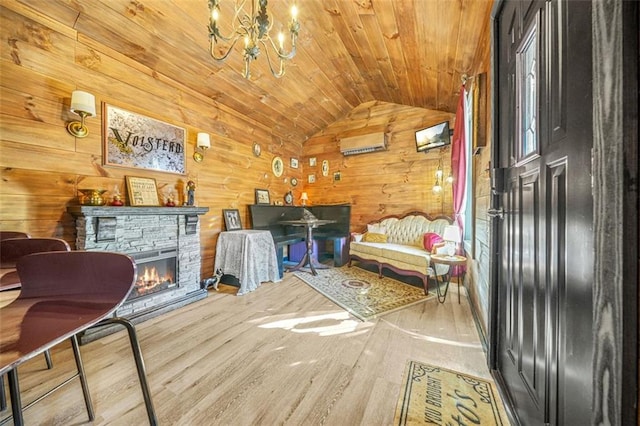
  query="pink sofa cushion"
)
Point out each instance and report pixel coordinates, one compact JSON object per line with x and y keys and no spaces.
{"x":431,"y":238}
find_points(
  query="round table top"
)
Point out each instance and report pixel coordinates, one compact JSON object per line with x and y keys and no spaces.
{"x":303,"y":222}
{"x":448,"y":260}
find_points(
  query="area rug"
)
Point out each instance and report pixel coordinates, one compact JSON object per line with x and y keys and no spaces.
{"x":362,"y":293}
{"x":436,"y":395}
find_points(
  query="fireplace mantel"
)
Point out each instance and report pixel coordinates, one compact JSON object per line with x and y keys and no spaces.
{"x":105,"y":211}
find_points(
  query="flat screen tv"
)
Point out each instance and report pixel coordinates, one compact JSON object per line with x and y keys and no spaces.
{"x":433,"y":137}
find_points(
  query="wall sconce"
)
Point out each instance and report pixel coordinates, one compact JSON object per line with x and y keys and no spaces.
{"x":450,"y":177}
{"x":437,"y":187}
{"x":304,"y":198}
{"x":83,"y":104}
{"x":203,"y":142}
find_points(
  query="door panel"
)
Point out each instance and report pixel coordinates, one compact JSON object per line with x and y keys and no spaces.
{"x":544,"y":345}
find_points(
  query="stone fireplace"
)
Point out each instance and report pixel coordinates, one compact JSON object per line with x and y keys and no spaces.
{"x":165,"y":244}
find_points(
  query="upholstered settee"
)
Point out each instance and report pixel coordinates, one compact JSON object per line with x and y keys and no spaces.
{"x":398,"y":243}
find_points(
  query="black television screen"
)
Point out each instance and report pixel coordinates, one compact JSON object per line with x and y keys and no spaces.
{"x":433,"y":137}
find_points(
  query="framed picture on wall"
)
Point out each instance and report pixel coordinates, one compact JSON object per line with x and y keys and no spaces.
{"x":137,"y":141}
{"x":294,"y":163}
{"x":262,"y":196}
{"x":232,"y":221}
{"x":277,"y":166}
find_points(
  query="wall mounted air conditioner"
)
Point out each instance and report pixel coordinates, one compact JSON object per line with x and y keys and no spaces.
{"x":363,"y":143}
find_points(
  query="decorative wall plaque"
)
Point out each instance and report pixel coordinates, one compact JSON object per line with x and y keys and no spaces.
{"x":133,"y":140}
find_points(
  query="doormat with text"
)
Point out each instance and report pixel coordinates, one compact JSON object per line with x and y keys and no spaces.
{"x":436,"y":395}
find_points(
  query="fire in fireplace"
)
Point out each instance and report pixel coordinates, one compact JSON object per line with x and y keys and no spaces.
{"x":156,"y":272}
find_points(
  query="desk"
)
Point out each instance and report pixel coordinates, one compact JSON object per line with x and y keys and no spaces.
{"x":249,"y":255}
{"x":442,"y":259}
{"x":308,"y":259}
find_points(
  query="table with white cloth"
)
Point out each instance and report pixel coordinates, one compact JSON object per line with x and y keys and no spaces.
{"x":249,"y":255}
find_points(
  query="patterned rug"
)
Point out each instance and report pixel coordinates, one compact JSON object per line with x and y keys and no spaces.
{"x":361,"y":292}
{"x":435,"y":395}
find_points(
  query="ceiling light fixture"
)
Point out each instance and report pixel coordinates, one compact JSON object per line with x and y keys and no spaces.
{"x":255,"y":29}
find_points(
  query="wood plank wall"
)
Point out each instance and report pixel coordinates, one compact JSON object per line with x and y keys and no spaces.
{"x":478,"y":272}
{"x":42,"y":166}
{"x":377,"y":184}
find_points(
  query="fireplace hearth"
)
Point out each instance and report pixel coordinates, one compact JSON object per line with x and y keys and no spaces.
{"x":165,"y":244}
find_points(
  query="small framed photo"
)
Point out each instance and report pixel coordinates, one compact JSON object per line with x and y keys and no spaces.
{"x":336,"y":176}
{"x":312,"y":161}
{"x":277,"y":166}
{"x":294,"y":163}
{"x":232,"y":220}
{"x":312,"y":178}
{"x":257,"y":150}
{"x":262,"y":196}
{"x":325,"y":168}
{"x":142,"y":191}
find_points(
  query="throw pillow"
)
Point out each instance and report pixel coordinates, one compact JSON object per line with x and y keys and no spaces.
{"x":431,"y":238}
{"x":376,"y":229}
{"x":372,"y":237}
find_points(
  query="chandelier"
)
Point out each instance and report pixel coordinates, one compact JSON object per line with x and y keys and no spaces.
{"x":255,"y":29}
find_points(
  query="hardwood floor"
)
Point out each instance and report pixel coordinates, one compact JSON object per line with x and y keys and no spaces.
{"x":283,"y":354}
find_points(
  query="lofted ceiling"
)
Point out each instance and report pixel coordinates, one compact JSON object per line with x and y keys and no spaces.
{"x":410,"y":52}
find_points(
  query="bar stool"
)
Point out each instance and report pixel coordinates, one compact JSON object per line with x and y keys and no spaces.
{"x":14,"y":245}
{"x":63,"y":294}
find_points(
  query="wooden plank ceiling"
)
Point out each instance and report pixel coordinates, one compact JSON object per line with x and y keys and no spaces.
{"x":410,"y":52}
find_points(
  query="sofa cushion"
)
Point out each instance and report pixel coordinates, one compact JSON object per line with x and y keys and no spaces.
{"x":431,"y":238}
{"x":372,"y":237}
{"x":376,"y":229}
{"x":407,"y":254}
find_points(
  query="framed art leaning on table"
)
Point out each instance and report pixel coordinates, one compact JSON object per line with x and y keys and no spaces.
{"x":232,"y":220}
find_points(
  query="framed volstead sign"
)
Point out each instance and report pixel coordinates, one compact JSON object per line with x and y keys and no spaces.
{"x":142,"y":191}
{"x":133,"y":140}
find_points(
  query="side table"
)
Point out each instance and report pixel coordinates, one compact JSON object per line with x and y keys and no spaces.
{"x":442,"y":259}
{"x":249,"y":255}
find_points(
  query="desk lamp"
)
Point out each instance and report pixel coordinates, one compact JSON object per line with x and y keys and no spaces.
{"x":304,"y":197}
{"x":451,"y":236}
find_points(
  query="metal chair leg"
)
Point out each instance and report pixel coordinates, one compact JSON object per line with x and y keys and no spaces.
{"x":82,"y":377}
{"x":3,"y":395}
{"x":14,"y":392}
{"x":47,"y":357}
{"x":137,"y":355}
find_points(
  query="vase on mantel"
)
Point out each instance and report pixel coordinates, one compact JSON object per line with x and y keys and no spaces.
{"x":92,"y":197}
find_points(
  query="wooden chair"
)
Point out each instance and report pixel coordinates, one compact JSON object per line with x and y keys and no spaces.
{"x":63,"y":294}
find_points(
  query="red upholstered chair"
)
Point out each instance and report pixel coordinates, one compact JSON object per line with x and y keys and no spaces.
{"x":13,"y":249}
{"x":63,"y":294}
{"x":5,"y":235}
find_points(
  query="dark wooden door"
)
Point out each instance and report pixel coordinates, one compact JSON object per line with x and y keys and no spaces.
{"x":545,"y":239}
